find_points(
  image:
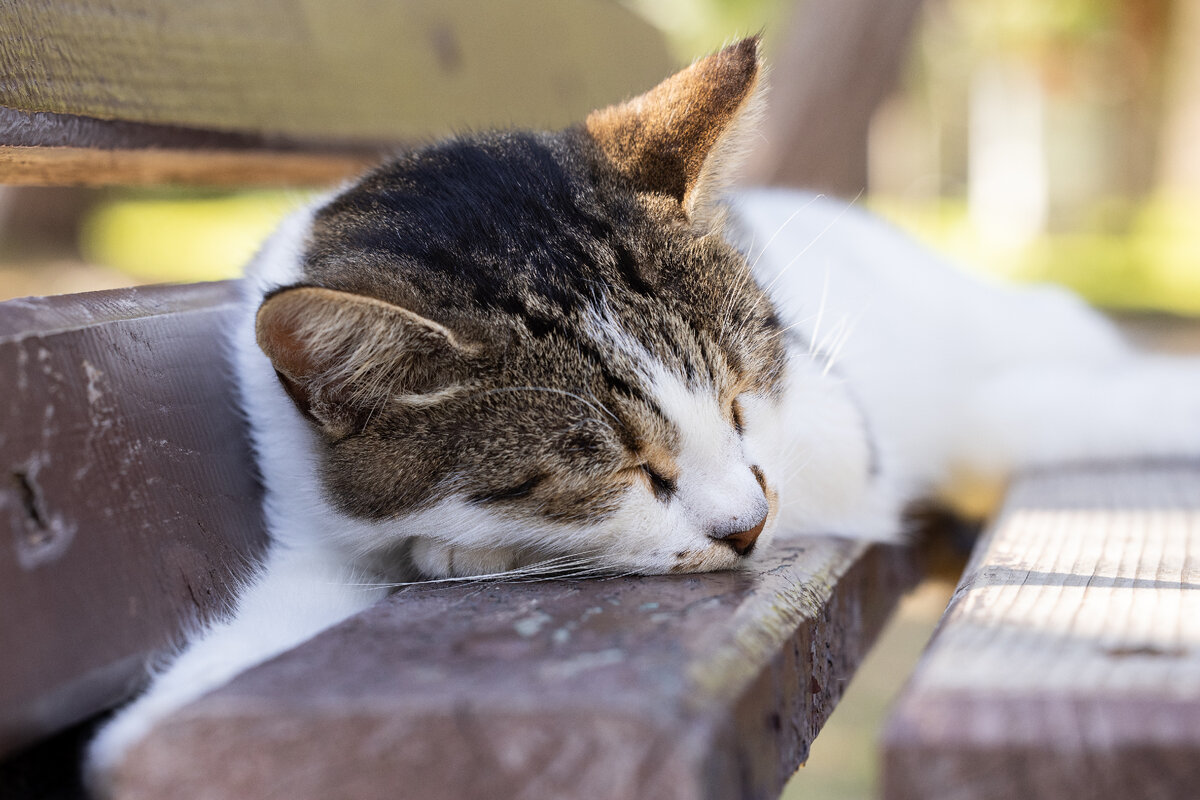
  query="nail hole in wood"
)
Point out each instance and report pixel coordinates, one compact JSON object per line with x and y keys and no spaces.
{"x":29,"y":499}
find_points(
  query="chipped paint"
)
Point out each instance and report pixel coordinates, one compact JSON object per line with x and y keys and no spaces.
{"x":94,"y":375}
{"x":532,"y":625}
{"x":583,"y":662}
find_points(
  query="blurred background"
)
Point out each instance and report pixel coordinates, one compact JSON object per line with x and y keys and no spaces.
{"x":1027,"y":139}
{"x":1035,"y":140}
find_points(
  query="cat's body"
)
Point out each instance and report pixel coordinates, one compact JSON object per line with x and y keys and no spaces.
{"x":539,"y":352}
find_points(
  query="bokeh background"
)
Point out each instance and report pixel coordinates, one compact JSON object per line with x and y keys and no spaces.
{"x":1028,"y":139}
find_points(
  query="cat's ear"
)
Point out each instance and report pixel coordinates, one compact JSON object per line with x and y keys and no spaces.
{"x":685,"y":137}
{"x":341,"y":355}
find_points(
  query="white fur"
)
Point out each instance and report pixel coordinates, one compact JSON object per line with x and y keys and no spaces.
{"x":910,"y":379}
{"x":962,"y":382}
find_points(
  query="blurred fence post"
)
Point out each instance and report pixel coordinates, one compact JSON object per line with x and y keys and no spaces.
{"x":839,"y":61}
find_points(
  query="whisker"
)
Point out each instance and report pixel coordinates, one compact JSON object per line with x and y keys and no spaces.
{"x":785,"y":223}
{"x":816,"y":331}
{"x":820,"y":235}
{"x":766,"y":290}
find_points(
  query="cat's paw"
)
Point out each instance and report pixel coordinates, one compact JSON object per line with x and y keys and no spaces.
{"x":438,"y":560}
{"x":106,"y":753}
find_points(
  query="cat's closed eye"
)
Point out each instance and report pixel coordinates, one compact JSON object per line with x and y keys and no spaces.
{"x":662,"y":486}
{"x":736,"y":416}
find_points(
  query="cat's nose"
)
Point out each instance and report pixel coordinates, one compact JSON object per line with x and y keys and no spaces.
{"x":743,"y":532}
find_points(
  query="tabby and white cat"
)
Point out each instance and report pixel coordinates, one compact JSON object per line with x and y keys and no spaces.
{"x":567,"y":351}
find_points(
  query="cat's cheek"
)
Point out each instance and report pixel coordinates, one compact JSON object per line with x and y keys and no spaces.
{"x":653,"y":537}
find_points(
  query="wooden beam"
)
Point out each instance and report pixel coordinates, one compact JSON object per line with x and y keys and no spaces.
{"x":127,"y":493}
{"x":321,"y":70}
{"x":76,"y":166}
{"x":689,"y":686}
{"x":1068,"y":662}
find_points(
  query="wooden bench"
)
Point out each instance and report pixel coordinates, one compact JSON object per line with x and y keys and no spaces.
{"x":133,"y":507}
{"x":129,"y":497}
{"x":1068,"y":662}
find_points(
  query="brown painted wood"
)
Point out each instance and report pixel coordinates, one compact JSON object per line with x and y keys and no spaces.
{"x":1068,"y":662}
{"x":45,"y":129}
{"x":127,"y":495}
{"x":319,"y":69}
{"x":45,"y":149}
{"x":690,"y":686}
{"x":73,"y":166}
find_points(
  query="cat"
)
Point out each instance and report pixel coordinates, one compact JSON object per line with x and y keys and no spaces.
{"x":518,"y":353}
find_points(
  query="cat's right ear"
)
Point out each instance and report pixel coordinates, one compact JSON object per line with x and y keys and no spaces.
{"x":684,"y":138}
{"x":340,"y":356}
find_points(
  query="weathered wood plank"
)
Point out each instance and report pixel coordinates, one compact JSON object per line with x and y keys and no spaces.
{"x":45,"y":149}
{"x":74,"y":166}
{"x":1068,"y":663}
{"x":320,"y":69}
{"x":692,"y":686}
{"x":127,"y":492}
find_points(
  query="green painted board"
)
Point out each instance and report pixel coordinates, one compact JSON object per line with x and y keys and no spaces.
{"x":354,"y":70}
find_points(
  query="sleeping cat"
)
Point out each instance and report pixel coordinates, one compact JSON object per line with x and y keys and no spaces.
{"x":570,"y":352}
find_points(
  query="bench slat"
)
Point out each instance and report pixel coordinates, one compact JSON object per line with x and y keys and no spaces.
{"x":127,"y":492}
{"x":76,"y":166}
{"x":326,"y":69}
{"x":1068,"y":663}
{"x":690,"y":686}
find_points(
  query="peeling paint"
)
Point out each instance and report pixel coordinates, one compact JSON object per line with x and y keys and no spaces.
{"x":100,"y":416}
{"x":531,"y":625}
{"x":22,"y":364}
{"x":94,"y":375}
{"x":583,"y":663}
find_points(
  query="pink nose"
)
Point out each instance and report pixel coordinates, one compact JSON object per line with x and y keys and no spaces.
{"x":742,"y":542}
{"x":741,"y":533}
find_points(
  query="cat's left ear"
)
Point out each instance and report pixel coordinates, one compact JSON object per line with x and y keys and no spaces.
{"x":341,"y":356}
{"x":685,"y":137}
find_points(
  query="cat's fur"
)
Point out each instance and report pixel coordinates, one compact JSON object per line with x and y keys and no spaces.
{"x":540,"y":351}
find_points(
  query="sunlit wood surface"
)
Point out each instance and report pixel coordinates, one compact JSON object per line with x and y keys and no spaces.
{"x":1068,"y":662}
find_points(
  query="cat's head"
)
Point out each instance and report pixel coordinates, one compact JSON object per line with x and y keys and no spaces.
{"x":519,"y":347}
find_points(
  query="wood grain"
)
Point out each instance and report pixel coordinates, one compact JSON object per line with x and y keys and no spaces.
{"x":318,"y":69}
{"x":45,"y":149}
{"x":1068,"y":662}
{"x":127,"y":494}
{"x":74,"y":166}
{"x":690,"y":686}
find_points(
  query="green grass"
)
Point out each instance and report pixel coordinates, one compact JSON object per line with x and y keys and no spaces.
{"x":1153,"y":263}
{"x":181,"y":238}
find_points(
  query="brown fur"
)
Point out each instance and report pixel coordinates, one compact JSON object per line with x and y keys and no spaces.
{"x":445,"y":342}
{"x":667,"y":140}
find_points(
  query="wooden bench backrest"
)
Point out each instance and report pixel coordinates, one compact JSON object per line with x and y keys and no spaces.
{"x":292,"y":91}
